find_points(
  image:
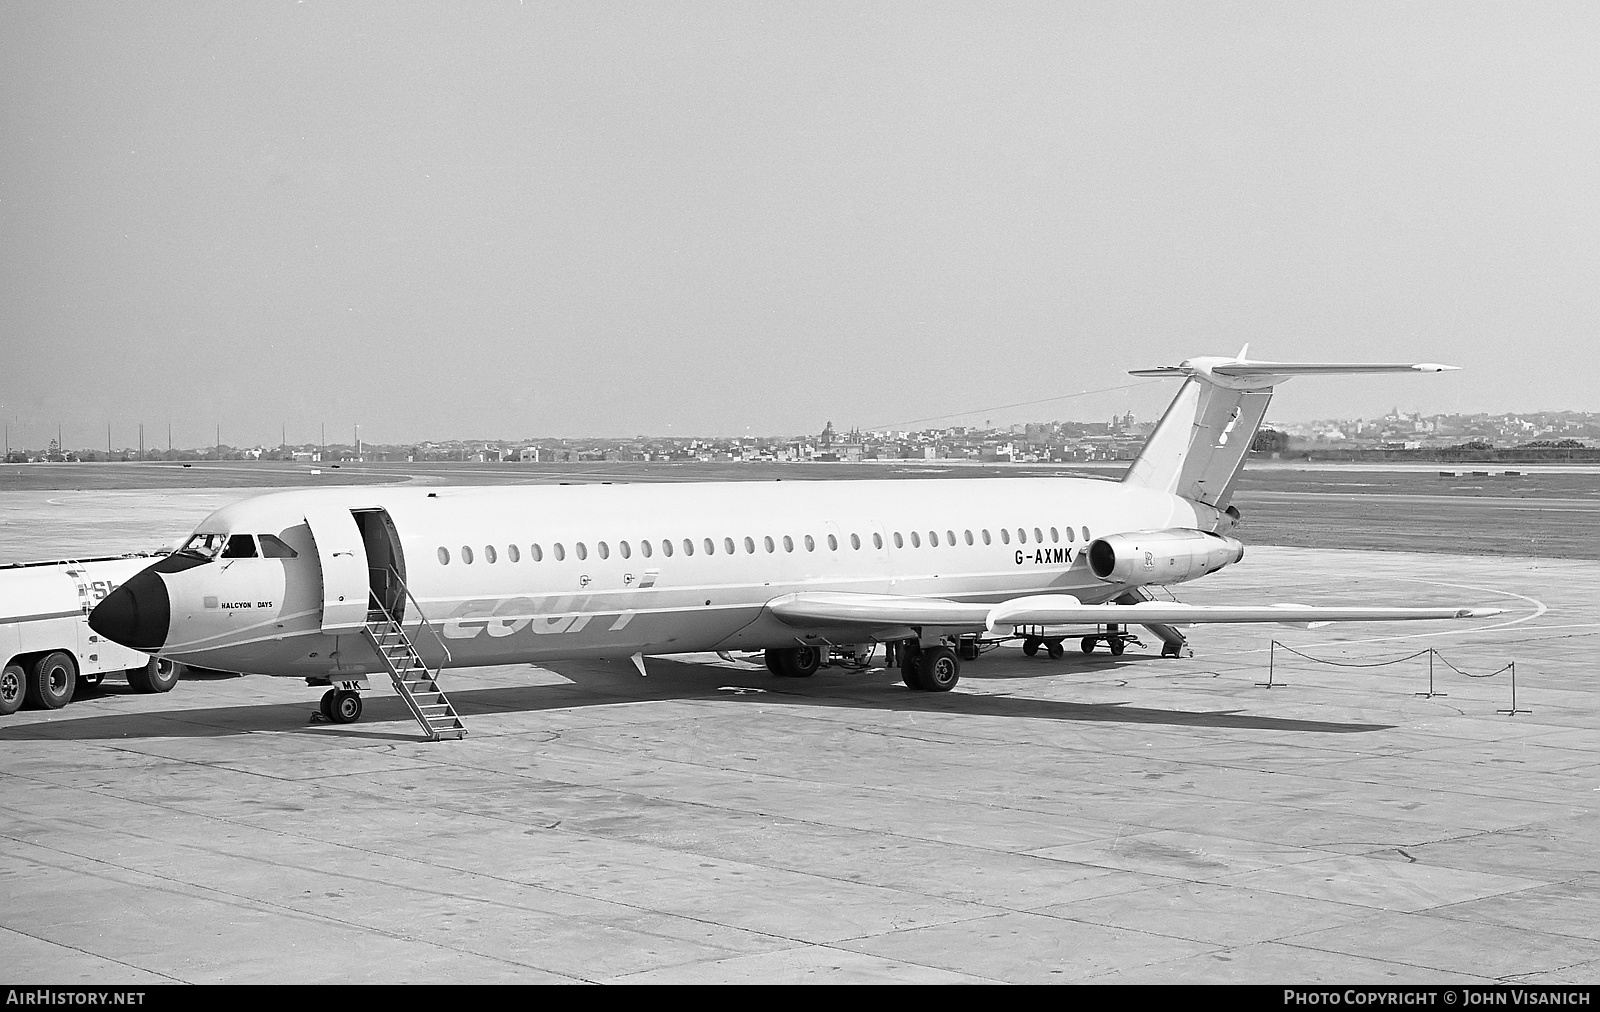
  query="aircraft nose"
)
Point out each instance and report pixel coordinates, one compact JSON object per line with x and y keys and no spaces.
{"x":136,"y":614}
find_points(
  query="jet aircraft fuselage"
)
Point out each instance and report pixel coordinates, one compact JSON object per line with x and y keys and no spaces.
{"x":523,"y":574}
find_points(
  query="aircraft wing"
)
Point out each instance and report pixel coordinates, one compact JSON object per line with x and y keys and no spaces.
{"x":819,"y":610}
{"x":1063,"y":609}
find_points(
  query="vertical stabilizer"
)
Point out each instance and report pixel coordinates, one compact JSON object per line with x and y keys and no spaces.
{"x":1199,"y":445}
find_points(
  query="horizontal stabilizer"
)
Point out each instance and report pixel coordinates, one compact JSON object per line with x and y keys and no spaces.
{"x":1201,"y":442}
{"x":1062,"y":609}
{"x":1248,"y":374}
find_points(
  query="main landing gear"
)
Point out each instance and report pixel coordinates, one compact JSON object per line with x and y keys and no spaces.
{"x":933,"y":668}
{"x":794,"y":662}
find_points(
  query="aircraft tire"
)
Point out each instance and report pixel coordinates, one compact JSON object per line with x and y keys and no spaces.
{"x":1087,"y":645}
{"x":1117,"y":646}
{"x":51,"y":681}
{"x":910,"y":667}
{"x":1030,"y":645}
{"x":799,"y":662}
{"x":158,"y":675}
{"x":938,"y":669}
{"x":1056,"y":649}
{"x":13,"y":686}
{"x":346,"y":707}
{"x":325,"y":705}
{"x":771,"y":656}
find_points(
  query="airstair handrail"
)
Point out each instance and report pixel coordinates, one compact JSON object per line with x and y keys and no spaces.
{"x":416,"y":605}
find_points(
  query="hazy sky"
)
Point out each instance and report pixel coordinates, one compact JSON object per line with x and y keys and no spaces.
{"x":524,"y":219}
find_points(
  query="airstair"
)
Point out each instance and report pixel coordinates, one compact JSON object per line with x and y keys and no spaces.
{"x":413,"y":681}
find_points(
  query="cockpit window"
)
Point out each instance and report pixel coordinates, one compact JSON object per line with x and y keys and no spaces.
{"x":239,"y":546}
{"x":205,"y":545}
{"x":272,"y":547}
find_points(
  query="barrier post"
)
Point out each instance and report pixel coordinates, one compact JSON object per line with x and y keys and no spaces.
{"x":1513,"y":711}
{"x":1272,"y":658}
{"x":1430,"y":693}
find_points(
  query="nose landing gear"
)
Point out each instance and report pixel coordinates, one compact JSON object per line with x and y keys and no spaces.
{"x":341,"y":706}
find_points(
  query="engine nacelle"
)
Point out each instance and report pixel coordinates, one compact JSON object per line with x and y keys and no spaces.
{"x":1140,"y":558}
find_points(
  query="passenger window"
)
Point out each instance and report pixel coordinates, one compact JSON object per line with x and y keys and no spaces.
{"x":489,"y":554}
{"x":582,"y":550}
{"x":272,"y":547}
{"x":444,"y":556}
{"x":727,"y":545}
{"x":466,"y":555}
{"x":561,"y":552}
{"x":666,"y":548}
{"x":1038,"y":535}
{"x":811,"y":545}
{"x":513,"y":553}
{"x":604,"y":549}
{"x":898,"y":542}
{"x":950,"y":538}
{"x":833,"y":543}
{"x":768,"y":542}
{"x":1069,"y":535}
{"x":1055,"y":536}
{"x":538,"y":553}
{"x":1086,"y":534}
{"x":1005,"y":536}
{"x":627,"y":552}
{"x":646,"y":549}
{"x":688,"y":547}
{"x":969,"y":536}
{"x":855,"y":542}
{"x":933,"y":539}
{"x":1022,"y":536}
{"x":877,"y":540}
{"x":788,"y":543}
{"x":916,"y":540}
{"x":985,"y":533}
{"x":240,"y":546}
{"x":750,"y":546}
{"x":710,"y":546}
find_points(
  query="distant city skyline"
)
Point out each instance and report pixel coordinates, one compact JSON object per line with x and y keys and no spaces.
{"x":155,"y":440}
{"x":570,"y":219}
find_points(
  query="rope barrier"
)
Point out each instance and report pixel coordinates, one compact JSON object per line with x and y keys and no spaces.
{"x":1432,"y":655}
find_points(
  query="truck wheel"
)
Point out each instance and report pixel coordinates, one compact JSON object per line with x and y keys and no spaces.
{"x":160,"y":675}
{"x":13,"y":685}
{"x":52,"y":680}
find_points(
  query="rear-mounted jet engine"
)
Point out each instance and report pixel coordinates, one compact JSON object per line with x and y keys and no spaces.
{"x":1143,"y":558}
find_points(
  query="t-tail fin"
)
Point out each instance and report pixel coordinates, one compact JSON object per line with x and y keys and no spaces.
{"x":1199,"y":445}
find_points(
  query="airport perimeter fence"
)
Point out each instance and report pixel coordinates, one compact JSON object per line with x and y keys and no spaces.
{"x":1431,"y":653}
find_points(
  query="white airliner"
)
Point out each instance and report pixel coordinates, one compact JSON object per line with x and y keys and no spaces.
{"x":334,"y":584}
